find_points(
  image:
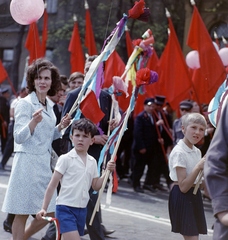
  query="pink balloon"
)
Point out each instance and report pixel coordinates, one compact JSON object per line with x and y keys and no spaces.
{"x":216,"y":46}
{"x":192,"y":59}
{"x":223,"y":53}
{"x":26,"y":11}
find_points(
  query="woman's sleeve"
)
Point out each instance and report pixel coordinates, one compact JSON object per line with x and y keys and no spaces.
{"x":23,"y":115}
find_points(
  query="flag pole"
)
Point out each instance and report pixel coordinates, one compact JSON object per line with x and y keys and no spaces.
{"x":112,"y":160}
{"x":137,"y":51}
{"x":11,"y":85}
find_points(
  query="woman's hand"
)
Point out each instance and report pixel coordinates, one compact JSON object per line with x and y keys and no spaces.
{"x":40,"y":214}
{"x":65,"y":121}
{"x":37,"y":116}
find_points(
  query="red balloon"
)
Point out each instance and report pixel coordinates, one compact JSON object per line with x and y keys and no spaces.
{"x":192,"y":59}
{"x":26,"y":11}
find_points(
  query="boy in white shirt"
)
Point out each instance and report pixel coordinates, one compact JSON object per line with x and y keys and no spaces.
{"x":77,"y":171}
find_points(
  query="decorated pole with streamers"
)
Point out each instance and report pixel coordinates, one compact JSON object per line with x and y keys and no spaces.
{"x":56,"y":222}
{"x":143,"y":77}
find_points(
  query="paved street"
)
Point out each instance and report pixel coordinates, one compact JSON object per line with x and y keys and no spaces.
{"x":133,"y":215}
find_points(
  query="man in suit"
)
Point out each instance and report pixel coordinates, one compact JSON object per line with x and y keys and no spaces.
{"x":4,"y":116}
{"x":145,"y":137}
{"x":216,"y":175}
{"x":164,"y":144}
{"x":10,"y":140}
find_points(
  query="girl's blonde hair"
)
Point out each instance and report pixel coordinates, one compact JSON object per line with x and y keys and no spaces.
{"x":193,"y":118}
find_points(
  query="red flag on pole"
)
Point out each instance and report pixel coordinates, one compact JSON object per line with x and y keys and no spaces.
{"x":4,"y":76}
{"x":198,"y":84}
{"x":90,"y":108}
{"x":45,"y":32}
{"x":89,"y":36}
{"x":77,"y":59}
{"x":3,"y":73}
{"x":129,"y":44}
{"x":33,"y":43}
{"x":152,"y":63}
{"x":174,"y":80}
{"x":114,"y":66}
{"x":211,"y":67}
{"x":149,"y":90}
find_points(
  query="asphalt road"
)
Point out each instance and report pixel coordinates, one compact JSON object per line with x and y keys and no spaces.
{"x":133,"y":215}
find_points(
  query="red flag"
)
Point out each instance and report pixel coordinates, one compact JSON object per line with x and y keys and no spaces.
{"x":123,"y":101}
{"x":3,"y":73}
{"x":148,"y":90}
{"x":4,"y":76}
{"x":45,"y":32}
{"x":198,"y":84}
{"x":211,"y":67}
{"x":77,"y":59}
{"x":129,"y":44}
{"x":89,"y":36}
{"x":114,"y":66}
{"x":152,"y":63}
{"x":174,"y":80}
{"x":90,"y":108}
{"x":33,"y":43}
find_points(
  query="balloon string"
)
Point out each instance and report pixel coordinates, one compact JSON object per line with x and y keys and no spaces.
{"x":109,"y":16}
{"x":35,"y":43}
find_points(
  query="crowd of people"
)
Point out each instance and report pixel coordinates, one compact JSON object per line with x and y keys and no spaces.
{"x":158,"y":142}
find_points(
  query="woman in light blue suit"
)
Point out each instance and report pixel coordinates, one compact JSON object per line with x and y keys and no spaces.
{"x":34,"y":132}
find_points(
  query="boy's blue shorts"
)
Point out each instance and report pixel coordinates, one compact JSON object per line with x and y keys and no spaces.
{"x":71,"y":218}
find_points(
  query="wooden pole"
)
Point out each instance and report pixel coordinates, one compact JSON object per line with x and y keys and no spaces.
{"x":198,"y":182}
{"x":112,"y":159}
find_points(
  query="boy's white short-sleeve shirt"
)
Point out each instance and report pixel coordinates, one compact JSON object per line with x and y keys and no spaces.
{"x":77,"y":179}
{"x":183,"y":156}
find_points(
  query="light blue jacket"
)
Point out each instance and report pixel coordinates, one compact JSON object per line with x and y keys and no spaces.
{"x":40,"y":140}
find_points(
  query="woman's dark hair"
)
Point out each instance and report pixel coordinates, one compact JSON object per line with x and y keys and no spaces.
{"x":85,"y":125}
{"x":34,"y":70}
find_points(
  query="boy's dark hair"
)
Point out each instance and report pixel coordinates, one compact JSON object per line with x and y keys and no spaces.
{"x":64,"y":80}
{"x":76,"y":75}
{"x":84,"y":125}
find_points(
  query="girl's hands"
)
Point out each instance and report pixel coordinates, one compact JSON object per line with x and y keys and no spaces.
{"x":201,"y":162}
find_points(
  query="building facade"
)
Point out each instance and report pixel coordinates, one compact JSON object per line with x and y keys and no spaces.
{"x":60,"y":23}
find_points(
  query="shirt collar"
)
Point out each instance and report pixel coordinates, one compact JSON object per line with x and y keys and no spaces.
{"x":51,"y":103}
{"x":72,"y":153}
{"x":185,"y":147}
